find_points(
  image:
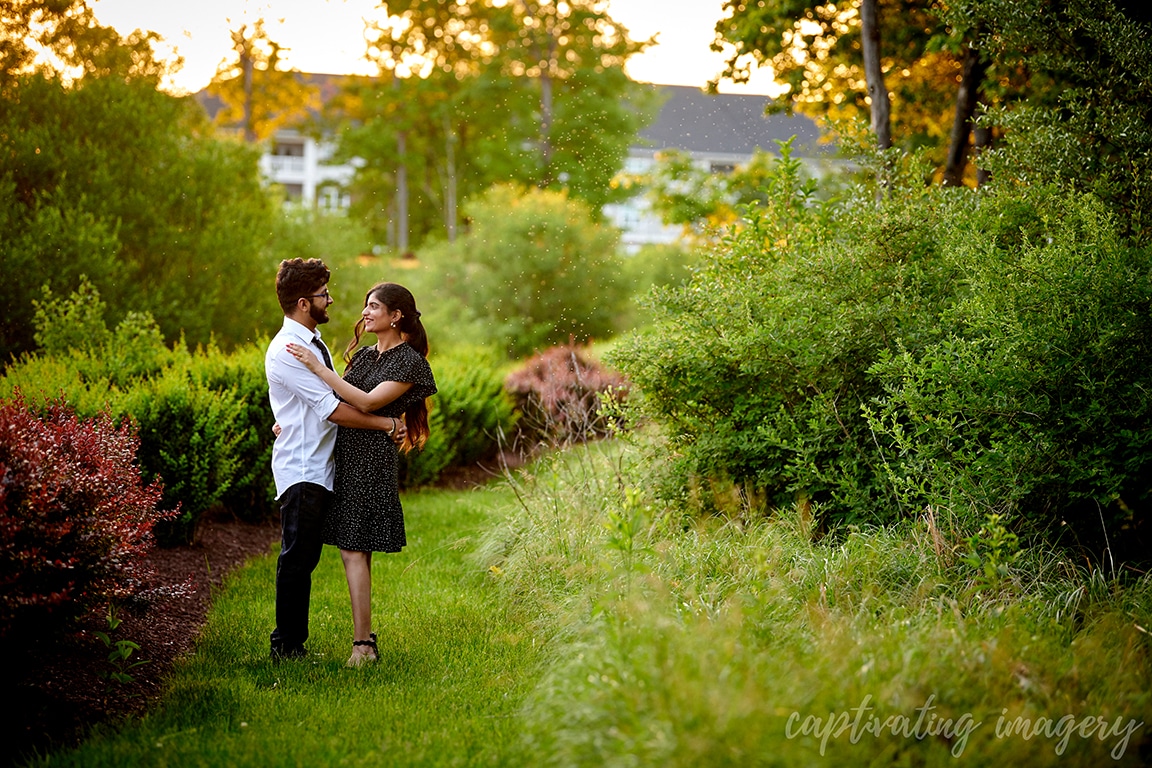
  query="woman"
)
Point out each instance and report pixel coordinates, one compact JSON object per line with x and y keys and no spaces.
{"x":392,"y":379}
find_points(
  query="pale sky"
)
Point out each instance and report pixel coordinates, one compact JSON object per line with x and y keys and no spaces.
{"x":327,"y":35}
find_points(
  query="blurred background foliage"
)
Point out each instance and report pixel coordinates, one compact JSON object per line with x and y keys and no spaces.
{"x":104,"y":177}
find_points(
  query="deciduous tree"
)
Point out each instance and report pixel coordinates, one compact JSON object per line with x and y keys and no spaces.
{"x":259,"y":95}
{"x":479,"y":93}
{"x":835,"y":70}
{"x":103,"y":175}
{"x":63,"y":37}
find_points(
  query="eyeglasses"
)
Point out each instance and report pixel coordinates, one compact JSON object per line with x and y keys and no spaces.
{"x":327,"y":296}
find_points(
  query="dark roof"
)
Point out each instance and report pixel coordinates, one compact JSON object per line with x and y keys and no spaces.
{"x":695,"y":121}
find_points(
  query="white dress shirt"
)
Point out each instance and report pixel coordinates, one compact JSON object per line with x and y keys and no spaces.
{"x":301,"y":403}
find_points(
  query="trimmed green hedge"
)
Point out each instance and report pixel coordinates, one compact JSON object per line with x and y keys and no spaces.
{"x":205,"y":426}
{"x":204,"y":433}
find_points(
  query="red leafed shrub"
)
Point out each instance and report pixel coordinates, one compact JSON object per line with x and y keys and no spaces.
{"x":557,"y":392}
{"x":75,"y":517}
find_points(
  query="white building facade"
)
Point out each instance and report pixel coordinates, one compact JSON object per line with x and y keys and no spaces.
{"x":303,"y":167}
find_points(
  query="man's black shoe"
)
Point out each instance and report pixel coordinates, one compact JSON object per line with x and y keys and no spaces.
{"x":285,"y":654}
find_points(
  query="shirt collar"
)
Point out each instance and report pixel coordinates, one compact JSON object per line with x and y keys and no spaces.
{"x":301,"y":330}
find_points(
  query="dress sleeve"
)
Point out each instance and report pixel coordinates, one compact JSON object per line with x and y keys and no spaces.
{"x":417,"y":371}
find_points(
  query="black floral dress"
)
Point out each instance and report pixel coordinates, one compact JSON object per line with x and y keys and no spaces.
{"x":366,"y":515}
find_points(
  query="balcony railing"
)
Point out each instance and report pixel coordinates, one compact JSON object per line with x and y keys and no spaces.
{"x":289,"y":163}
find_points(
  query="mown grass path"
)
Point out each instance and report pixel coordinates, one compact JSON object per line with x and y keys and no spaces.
{"x":455,"y":665}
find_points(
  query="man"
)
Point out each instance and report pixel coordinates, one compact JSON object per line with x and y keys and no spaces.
{"x":307,"y":412}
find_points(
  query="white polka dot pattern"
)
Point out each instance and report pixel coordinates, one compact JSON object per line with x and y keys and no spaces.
{"x":366,"y":515}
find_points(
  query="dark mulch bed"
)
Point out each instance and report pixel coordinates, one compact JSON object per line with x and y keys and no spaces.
{"x":56,"y":687}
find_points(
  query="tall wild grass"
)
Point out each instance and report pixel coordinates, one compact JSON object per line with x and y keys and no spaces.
{"x":740,"y":639}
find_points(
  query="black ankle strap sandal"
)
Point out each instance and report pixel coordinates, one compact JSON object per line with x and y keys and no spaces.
{"x":368,"y":643}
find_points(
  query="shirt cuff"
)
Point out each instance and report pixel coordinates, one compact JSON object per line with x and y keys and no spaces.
{"x":327,"y":405}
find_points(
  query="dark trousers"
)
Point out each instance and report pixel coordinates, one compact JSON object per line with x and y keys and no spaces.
{"x":302,"y":511}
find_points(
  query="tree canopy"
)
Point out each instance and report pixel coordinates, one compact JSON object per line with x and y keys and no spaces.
{"x":473,"y":94}
{"x":64,"y":38}
{"x":1086,"y":123}
{"x":258,"y":94}
{"x":104,"y":176}
{"x":816,"y":50}
{"x":946,"y":64}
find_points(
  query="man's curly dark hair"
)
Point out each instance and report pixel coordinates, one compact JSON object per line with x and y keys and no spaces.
{"x":299,"y":278}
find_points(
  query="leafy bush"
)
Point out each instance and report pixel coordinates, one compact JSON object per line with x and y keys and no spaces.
{"x":535,"y":267}
{"x":1037,"y":402}
{"x":1088,"y":124}
{"x":189,"y":435}
{"x":558,"y":394}
{"x":65,"y":376}
{"x":982,"y":354}
{"x":654,"y":266}
{"x":203,"y":419}
{"x":756,"y":368}
{"x":75,"y":517}
{"x":240,"y":375}
{"x":75,"y":324}
{"x":469,"y":415}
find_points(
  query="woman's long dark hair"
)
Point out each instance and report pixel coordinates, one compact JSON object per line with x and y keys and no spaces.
{"x":394,"y":296}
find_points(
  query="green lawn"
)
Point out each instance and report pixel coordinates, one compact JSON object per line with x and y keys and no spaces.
{"x":455,"y":665}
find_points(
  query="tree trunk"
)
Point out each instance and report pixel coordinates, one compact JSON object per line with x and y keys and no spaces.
{"x":450,"y":181}
{"x":874,"y":74}
{"x":402,"y":195}
{"x":545,"y":129}
{"x":544,"y":55}
{"x":967,"y":97}
{"x":246,"y":67}
{"x":401,"y":186}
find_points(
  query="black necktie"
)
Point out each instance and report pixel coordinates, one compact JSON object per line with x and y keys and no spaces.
{"x":323,"y":352}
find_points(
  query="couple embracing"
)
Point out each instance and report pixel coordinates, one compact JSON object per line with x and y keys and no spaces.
{"x":338,"y":442}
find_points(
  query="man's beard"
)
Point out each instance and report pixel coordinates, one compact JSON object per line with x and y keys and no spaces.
{"x":318,"y":314}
